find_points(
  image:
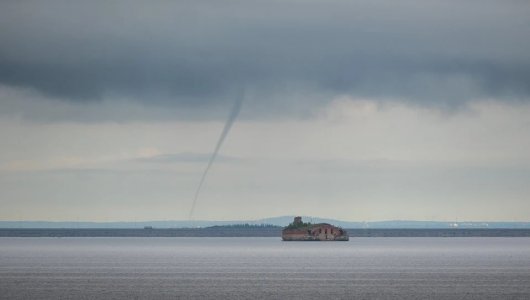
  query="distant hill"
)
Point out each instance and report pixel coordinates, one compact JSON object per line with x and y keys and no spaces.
{"x":402,"y":224}
{"x":277,"y":221}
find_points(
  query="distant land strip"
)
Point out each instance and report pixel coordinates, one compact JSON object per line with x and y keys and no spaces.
{"x":221,"y":231}
{"x":274,"y":221}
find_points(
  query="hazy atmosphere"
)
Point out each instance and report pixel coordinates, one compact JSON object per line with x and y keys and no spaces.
{"x":353,"y":110}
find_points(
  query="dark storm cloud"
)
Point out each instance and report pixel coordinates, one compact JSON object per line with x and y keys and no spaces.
{"x":197,"y":53}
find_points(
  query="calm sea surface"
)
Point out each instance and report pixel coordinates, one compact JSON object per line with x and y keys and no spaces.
{"x":245,"y":268}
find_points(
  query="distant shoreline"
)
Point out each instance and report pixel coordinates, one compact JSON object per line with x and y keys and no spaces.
{"x":252,"y":232}
{"x":266,"y":222}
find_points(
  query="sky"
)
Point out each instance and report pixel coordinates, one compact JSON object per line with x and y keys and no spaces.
{"x":354,"y":110}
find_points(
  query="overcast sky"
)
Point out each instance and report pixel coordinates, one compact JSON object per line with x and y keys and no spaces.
{"x":356,"y":110}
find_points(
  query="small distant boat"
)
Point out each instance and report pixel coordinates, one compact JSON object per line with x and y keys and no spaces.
{"x":300,"y":231}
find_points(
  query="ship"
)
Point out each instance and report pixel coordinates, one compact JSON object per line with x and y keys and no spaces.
{"x":300,"y":231}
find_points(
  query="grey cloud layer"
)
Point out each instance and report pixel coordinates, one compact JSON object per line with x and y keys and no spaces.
{"x":195,"y":54}
{"x":186,"y":157}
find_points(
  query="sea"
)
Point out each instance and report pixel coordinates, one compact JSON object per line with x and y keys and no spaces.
{"x":264,"y":268}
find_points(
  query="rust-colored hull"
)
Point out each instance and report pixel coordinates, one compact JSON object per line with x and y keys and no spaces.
{"x":308,"y":238}
{"x":315,"y":233}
